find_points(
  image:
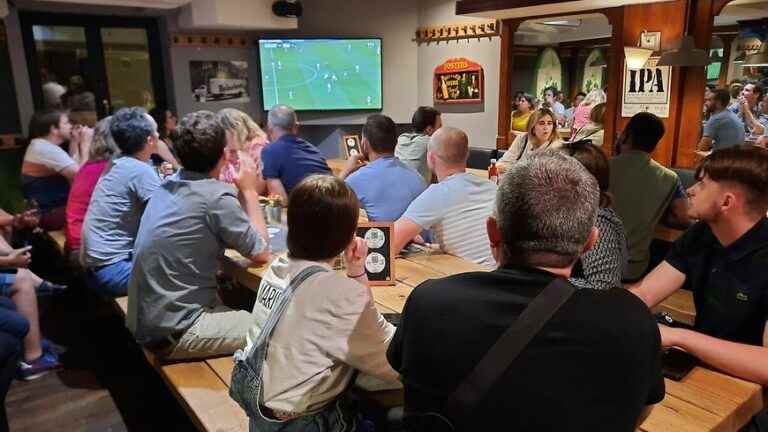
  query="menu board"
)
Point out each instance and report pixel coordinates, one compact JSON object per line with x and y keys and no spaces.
{"x":380,"y":262}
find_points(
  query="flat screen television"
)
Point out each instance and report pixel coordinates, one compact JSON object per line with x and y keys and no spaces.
{"x":321,"y":74}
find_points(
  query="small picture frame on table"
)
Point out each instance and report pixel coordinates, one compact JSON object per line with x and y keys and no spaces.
{"x":380,"y":262}
{"x":351,"y":144}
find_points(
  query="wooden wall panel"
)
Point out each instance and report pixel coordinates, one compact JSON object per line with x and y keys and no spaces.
{"x":669,"y":19}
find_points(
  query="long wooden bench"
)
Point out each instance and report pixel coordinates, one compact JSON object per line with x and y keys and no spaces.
{"x":202,"y":389}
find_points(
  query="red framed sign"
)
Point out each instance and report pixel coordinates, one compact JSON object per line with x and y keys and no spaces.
{"x":458,"y":81}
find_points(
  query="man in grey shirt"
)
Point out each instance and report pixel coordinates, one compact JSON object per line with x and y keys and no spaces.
{"x":173,"y":305}
{"x":117,"y":203}
{"x":411,"y":148}
{"x":723,"y":129}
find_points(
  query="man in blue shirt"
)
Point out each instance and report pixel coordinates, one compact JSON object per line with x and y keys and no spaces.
{"x":723,"y":129}
{"x":385,"y":186}
{"x":287,"y":158}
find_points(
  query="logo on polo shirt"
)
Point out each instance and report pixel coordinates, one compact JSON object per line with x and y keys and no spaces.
{"x":742,"y":297}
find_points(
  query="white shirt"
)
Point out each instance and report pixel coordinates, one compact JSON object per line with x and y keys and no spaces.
{"x":330,"y":328}
{"x":42,"y":155}
{"x":456,"y":209}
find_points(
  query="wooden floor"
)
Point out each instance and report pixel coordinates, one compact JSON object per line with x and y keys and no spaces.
{"x":106,"y":384}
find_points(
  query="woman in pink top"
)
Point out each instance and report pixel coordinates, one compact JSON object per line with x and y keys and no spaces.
{"x":243,"y":134}
{"x":102,"y":149}
{"x":581,"y":113}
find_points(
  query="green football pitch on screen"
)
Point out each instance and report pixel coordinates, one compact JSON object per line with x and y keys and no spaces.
{"x":321,"y":74}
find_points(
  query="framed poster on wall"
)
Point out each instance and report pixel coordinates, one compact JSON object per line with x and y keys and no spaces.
{"x":380,"y":262}
{"x":458,"y":80}
{"x":646,"y":89}
{"x":593,"y":75}
{"x":549,"y":72}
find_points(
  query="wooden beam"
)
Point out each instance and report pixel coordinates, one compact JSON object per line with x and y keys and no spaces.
{"x":691,"y":85}
{"x":508,"y":29}
{"x":464,"y":7}
{"x":614,"y":57}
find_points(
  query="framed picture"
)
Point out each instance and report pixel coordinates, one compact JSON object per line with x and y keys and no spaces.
{"x":458,"y":81}
{"x":351,"y":144}
{"x":380,"y":262}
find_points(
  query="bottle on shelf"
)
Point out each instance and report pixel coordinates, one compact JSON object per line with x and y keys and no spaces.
{"x":493,"y":173}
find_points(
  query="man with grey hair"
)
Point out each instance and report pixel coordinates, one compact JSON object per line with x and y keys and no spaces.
{"x":561,"y":380}
{"x":455,"y":208}
{"x":287,"y":158}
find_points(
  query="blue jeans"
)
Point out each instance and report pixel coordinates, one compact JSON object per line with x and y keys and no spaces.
{"x":12,"y":322}
{"x":110,"y":280}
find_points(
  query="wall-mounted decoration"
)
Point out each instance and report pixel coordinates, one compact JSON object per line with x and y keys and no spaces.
{"x":457,"y":32}
{"x":208,"y":41}
{"x":458,"y":80}
{"x":219,"y":80}
{"x":593,"y":75}
{"x":650,"y":40}
{"x":380,"y":262}
{"x":351,"y":144}
{"x":646,"y":89}
{"x":549,"y":72}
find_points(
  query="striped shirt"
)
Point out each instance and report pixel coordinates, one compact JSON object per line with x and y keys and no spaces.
{"x":456,"y":209}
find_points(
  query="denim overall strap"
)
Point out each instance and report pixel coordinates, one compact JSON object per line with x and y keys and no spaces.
{"x":277,"y":312}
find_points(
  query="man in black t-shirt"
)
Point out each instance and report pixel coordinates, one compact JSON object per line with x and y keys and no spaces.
{"x":725,"y":258}
{"x":594,"y":366}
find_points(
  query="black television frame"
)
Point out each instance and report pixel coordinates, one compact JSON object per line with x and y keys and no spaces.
{"x":261,"y":84}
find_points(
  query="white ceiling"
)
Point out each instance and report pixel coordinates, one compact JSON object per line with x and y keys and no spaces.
{"x":578,"y":27}
{"x":740,"y":10}
{"x":151,"y":4}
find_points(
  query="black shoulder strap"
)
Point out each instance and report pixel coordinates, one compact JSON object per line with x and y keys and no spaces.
{"x":498,"y":359}
{"x":525,"y":147}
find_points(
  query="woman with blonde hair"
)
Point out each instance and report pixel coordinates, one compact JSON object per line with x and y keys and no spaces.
{"x":581,"y":113}
{"x":594,"y":129}
{"x":243,"y":135}
{"x":541,"y":135}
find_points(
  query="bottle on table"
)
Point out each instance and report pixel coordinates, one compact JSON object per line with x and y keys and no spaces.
{"x":493,"y":172}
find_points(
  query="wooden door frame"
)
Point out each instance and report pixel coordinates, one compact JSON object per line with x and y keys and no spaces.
{"x":92,"y":25}
{"x":614,"y":59}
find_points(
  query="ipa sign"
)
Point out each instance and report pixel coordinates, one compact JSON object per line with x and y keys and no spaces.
{"x":646,"y":89}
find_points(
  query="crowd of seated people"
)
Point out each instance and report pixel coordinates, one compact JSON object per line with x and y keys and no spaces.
{"x":563,"y":218}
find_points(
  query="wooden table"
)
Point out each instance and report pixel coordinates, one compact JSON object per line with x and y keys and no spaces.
{"x":705,"y":400}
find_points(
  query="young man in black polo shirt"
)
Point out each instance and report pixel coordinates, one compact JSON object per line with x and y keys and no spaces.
{"x":725,"y":257}
{"x":594,"y":366}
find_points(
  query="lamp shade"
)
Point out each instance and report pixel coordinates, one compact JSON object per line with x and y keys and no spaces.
{"x":636,"y":57}
{"x":686,"y":54}
{"x":759,"y":58}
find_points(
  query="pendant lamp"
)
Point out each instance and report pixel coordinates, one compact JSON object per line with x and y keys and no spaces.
{"x":686,"y":54}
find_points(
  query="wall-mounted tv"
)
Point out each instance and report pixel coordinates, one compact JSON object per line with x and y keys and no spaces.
{"x":321,"y":74}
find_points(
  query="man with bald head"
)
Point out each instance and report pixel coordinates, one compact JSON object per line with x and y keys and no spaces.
{"x":287,"y":158}
{"x":457,"y":207}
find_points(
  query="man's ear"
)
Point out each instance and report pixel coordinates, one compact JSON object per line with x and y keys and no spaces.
{"x":594,"y":234}
{"x":494,"y":236}
{"x":728,"y":201}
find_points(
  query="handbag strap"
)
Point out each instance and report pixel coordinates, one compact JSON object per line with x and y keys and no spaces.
{"x":506,"y":349}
